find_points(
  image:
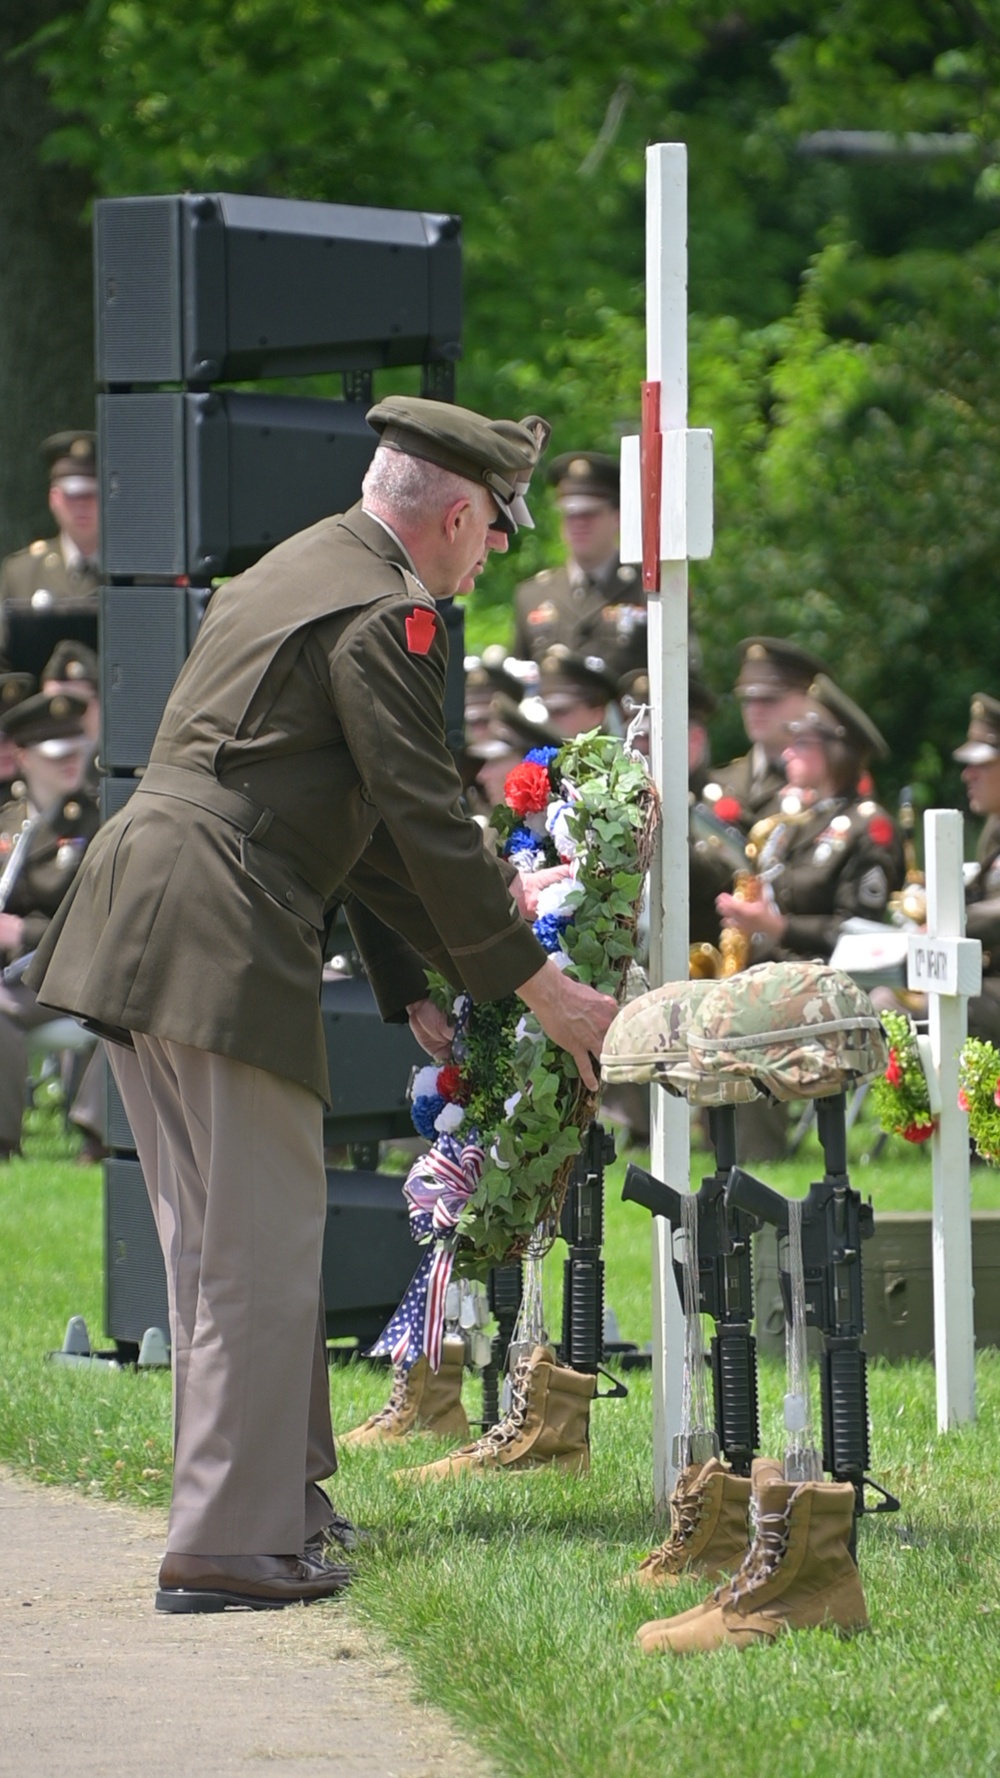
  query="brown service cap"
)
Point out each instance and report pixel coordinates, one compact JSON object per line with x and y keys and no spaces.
{"x":565,"y":678}
{"x":771,"y":665}
{"x":510,"y":731}
{"x":834,"y":716}
{"x":983,"y":740}
{"x":583,"y":478}
{"x":14,"y":688}
{"x":498,"y":454}
{"x":48,"y":716}
{"x":70,"y":454}
{"x":72,"y":663}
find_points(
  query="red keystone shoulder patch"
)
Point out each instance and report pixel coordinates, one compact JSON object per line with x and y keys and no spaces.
{"x":421,"y":626}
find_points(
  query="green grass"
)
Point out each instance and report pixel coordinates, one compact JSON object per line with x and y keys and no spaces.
{"x":502,"y":1592}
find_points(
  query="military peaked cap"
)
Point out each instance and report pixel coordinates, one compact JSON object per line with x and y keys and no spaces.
{"x":565,"y":676}
{"x":72,"y":663}
{"x":834,"y":716}
{"x":498,"y":454}
{"x":14,"y":688}
{"x":770,"y":666}
{"x":983,"y":740}
{"x":511,"y":731}
{"x":70,"y":454}
{"x":585,"y":477}
{"x":48,"y":716}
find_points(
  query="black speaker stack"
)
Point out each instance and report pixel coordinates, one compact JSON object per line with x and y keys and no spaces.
{"x":197,"y":481}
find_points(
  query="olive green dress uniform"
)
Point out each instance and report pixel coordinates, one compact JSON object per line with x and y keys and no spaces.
{"x":843,"y":859}
{"x":753,"y":783}
{"x":42,"y":568}
{"x":300,"y":763}
{"x":982,"y":921}
{"x":602,"y":614}
{"x":49,"y":866}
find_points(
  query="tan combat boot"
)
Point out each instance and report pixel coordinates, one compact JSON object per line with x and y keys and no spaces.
{"x":422,"y":1400}
{"x":797,"y":1575}
{"x":709,"y":1527}
{"x":547,"y":1423}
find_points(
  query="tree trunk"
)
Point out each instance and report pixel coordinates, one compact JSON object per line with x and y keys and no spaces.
{"x":46,"y":302}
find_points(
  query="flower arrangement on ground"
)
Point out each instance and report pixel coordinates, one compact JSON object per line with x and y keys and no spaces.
{"x":979,"y":1095}
{"x":506,"y":1115}
{"x":900,"y":1096}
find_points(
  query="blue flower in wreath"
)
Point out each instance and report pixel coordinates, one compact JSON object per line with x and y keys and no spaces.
{"x":423,"y":1112}
{"x":548,"y":929}
{"x":541,"y":756}
{"x":520,"y":840}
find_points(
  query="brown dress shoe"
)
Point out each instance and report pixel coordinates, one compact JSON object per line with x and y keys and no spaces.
{"x":247,"y":1583}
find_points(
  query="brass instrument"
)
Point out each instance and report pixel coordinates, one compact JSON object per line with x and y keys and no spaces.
{"x":908,"y":906}
{"x":735,"y":947}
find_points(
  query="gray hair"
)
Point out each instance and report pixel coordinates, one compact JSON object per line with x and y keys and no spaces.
{"x":410,"y":489}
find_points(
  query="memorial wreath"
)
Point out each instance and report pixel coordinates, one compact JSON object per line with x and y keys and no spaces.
{"x":506,"y":1114}
{"x":900,"y":1096}
{"x":979,"y":1095}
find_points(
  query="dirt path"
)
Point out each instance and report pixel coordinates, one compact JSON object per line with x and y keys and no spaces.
{"x":94,"y":1682}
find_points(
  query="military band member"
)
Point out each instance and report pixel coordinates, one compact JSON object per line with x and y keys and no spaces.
{"x":979,"y":755}
{"x":594,"y":603}
{"x":63,"y":568}
{"x":773,"y":679}
{"x":840,"y":856}
{"x":50,"y":824}
{"x":300,"y":764}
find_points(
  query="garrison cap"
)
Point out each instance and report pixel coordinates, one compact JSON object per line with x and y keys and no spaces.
{"x":834,"y":716}
{"x":48,"y":716}
{"x":70,"y":456}
{"x":983,"y":740}
{"x":565,"y":678}
{"x":497,"y":454}
{"x":511,"y":731}
{"x":583,"y":479}
{"x":72,"y":663}
{"x":770,"y":666}
{"x":14,"y":688}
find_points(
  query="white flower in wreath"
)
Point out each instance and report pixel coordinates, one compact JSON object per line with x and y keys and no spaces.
{"x":527,"y":1026}
{"x":425,"y":1082}
{"x":559,"y":898}
{"x":561,"y":959}
{"x":535,"y":822}
{"x":556,"y":825}
{"x":450,"y":1119}
{"x":510,"y":1105}
{"x":526,"y":862}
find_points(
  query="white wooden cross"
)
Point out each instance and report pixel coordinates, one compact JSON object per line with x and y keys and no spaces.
{"x":666,"y":521}
{"x":948,"y":967}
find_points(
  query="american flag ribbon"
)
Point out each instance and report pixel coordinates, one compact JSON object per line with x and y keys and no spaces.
{"x":438,"y":1187}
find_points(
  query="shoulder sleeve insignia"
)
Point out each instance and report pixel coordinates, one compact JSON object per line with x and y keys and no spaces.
{"x":421,"y":627}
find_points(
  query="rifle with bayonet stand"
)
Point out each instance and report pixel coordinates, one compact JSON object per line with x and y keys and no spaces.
{"x":725,"y":1285}
{"x":834,"y":1223}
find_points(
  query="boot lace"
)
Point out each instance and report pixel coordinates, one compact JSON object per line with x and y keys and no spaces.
{"x":506,"y":1430}
{"x":686,"y":1512}
{"x":770,"y":1541}
{"x":397,"y":1400}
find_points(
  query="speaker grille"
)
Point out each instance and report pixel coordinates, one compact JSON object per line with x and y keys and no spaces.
{"x":144,"y":643}
{"x":137,"y":290}
{"x":141,"y":453}
{"x":135,"y":1282}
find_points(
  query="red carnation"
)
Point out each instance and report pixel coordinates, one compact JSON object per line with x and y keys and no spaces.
{"x":963,"y":1099}
{"x":881,"y":830}
{"x":451,"y":1086}
{"x":917,"y":1132}
{"x":894,"y":1073}
{"x":727,"y":808}
{"x":527,"y":788}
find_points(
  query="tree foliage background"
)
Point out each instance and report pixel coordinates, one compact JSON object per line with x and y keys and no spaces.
{"x":844,"y":330}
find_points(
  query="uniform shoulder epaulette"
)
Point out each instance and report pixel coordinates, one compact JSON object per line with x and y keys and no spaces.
{"x":38,"y":548}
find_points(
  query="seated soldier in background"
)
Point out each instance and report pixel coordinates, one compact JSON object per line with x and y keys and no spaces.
{"x":56,"y":569}
{"x":773,"y":680}
{"x":593,"y":603}
{"x":839,"y":855}
{"x":14,"y":688}
{"x":578,"y":694}
{"x":43,"y":836}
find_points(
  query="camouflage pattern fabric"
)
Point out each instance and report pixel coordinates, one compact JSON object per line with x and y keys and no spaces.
{"x":796,"y":1030}
{"x":648,"y":1041}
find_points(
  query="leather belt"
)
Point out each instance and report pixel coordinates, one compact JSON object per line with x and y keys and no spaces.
{"x":231,"y":806}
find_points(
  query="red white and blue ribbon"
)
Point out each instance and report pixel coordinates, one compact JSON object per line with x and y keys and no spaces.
{"x":438,"y":1187}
